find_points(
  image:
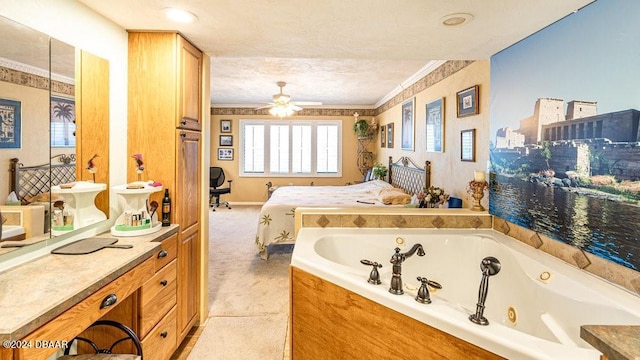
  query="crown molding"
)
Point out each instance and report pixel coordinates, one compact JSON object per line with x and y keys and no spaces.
{"x":14,"y":65}
{"x":424,"y":71}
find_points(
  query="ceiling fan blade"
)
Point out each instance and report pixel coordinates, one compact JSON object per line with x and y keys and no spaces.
{"x":308,"y":103}
{"x":264,"y":107}
{"x":295,"y":107}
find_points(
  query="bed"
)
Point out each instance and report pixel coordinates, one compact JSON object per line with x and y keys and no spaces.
{"x":32,"y":184}
{"x":276,"y":222}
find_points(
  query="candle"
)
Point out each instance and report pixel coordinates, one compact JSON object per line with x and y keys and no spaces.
{"x":478,"y":176}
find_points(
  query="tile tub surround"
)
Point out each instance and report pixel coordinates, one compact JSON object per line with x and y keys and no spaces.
{"x":39,"y":290}
{"x":610,"y":271}
{"x":615,"y":342}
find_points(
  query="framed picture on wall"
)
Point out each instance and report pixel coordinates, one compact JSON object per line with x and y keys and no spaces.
{"x":468,"y":145}
{"x":408,"y":111}
{"x":390,"y":136}
{"x":383,"y":136}
{"x":467,"y":102}
{"x":226,"y":140}
{"x":10,"y":123}
{"x":435,"y":126}
{"x":225,"y":154}
{"x":225,"y":126}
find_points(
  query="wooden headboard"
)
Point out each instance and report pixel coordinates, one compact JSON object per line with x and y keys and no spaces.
{"x":29,"y":181}
{"x":407,"y":175}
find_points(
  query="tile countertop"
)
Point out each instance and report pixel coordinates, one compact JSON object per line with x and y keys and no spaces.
{"x":617,"y":342}
{"x":37,"y":291}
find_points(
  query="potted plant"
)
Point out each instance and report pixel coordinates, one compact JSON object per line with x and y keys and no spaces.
{"x":379,"y":171}
{"x":360,"y":127}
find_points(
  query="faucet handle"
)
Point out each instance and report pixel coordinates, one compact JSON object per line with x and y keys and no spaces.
{"x":374,"y":276}
{"x":423,"y":295}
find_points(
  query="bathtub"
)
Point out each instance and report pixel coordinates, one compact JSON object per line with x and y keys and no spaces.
{"x":535,"y":304}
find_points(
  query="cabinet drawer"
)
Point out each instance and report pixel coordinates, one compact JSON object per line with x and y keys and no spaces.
{"x":79,"y":317}
{"x":162,"y":340}
{"x":157,"y":296}
{"x":167,"y":252}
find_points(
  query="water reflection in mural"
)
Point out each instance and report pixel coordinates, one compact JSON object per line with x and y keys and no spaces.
{"x":565,"y":132}
{"x":597,"y":225}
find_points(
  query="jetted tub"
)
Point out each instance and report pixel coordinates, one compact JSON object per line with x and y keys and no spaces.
{"x":535,"y":304}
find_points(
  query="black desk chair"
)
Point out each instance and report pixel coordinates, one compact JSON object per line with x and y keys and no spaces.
{"x":216,"y":179}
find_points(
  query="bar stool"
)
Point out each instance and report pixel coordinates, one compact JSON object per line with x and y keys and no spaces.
{"x":105,"y":353}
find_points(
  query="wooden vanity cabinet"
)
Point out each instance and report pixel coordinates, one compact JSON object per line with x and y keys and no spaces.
{"x":157,"y":328}
{"x":76,"y":319}
{"x":165,"y":114}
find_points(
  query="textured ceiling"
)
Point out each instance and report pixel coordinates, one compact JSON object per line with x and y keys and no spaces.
{"x":339,"y":52}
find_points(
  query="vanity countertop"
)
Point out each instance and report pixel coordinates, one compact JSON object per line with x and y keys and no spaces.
{"x":617,"y":342}
{"x":37,"y":291}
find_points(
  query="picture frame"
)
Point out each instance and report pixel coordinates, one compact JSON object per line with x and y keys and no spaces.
{"x":468,"y":145}
{"x":435,"y":126}
{"x":226,"y":140}
{"x":225,"y":126}
{"x":63,"y":124}
{"x":390,"y":136}
{"x":408,"y":124}
{"x":383,"y":136}
{"x":10,"y":124}
{"x":225,"y":154}
{"x":467,"y":102}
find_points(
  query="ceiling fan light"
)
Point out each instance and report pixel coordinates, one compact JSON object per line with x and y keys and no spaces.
{"x":281,"y":110}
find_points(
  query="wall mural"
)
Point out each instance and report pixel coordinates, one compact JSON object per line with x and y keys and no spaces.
{"x":565,"y":144}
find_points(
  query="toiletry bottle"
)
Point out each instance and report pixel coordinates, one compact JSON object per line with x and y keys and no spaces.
{"x":166,"y":209}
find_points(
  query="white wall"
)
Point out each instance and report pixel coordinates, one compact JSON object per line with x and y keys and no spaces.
{"x":77,"y":25}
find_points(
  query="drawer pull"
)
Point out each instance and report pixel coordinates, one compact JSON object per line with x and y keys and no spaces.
{"x":162,"y":254}
{"x":108,"y":301}
{"x":163,"y":282}
{"x":164,"y":334}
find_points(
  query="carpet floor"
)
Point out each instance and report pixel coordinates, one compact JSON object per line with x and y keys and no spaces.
{"x":248,"y":296}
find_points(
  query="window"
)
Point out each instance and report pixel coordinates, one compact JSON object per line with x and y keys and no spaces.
{"x":290,"y":148}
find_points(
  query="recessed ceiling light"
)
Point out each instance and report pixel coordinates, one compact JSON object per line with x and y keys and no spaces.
{"x":180,"y":15}
{"x":456,"y":19}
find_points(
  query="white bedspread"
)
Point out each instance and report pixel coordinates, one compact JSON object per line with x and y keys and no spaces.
{"x":276,"y":223}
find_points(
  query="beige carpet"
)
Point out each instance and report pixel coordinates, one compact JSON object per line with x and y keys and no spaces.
{"x":248,"y":297}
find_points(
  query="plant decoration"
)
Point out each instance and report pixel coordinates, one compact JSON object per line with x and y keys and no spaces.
{"x":360,"y":126}
{"x":379,"y":171}
{"x":91,"y":166}
{"x":432,"y":197}
{"x":139,"y":165}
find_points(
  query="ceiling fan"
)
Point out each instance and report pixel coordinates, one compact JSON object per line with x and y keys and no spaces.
{"x":283,"y":106}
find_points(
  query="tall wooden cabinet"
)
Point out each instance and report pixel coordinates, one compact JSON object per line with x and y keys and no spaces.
{"x":165,"y":119}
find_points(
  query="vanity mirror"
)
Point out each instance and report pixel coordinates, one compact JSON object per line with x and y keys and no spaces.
{"x":47,"y":88}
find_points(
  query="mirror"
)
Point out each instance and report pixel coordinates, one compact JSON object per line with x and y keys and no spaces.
{"x":30,"y":62}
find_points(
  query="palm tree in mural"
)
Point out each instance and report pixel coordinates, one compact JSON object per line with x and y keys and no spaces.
{"x":64,"y":111}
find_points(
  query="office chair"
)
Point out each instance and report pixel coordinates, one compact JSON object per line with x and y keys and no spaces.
{"x":106,"y":353}
{"x":216,"y":179}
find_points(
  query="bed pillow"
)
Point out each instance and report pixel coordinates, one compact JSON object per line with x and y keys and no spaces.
{"x":392,"y":196}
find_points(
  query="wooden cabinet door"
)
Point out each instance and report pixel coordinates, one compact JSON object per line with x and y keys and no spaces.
{"x":187,"y":193}
{"x":188,"y":283}
{"x":188,"y":216}
{"x":190,"y":82}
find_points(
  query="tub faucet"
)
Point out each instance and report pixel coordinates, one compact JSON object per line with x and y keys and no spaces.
{"x":489,"y":266}
{"x":397,"y":259}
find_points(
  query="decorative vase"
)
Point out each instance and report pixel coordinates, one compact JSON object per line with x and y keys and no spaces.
{"x":478,"y":194}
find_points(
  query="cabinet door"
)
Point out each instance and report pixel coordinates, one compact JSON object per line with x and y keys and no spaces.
{"x":188,"y":180}
{"x":190,"y":82}
{"x":188,"y":215}
{"x":188,"y":283}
